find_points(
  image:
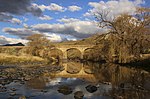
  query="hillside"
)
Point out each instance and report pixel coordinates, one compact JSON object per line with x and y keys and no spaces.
{"x":17,"y":44}
{"x":93,"y":40}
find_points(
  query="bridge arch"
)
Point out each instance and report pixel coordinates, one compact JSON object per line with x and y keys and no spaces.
{"x":79,"y":48}
{"x":74,"y":53}
{"x":73,"y":67}
{"x":86,"y":53}
{"x":56,"y":53}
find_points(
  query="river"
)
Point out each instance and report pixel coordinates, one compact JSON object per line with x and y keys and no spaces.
{"x":74,"y":80}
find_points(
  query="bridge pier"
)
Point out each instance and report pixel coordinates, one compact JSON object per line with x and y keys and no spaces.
{"x":65,"y":55}
{"x":82,"y":53}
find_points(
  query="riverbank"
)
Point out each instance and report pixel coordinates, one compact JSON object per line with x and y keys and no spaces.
{"x":7,"y":59}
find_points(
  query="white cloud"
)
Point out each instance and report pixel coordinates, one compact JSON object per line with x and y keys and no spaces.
{"x":138,"y":2}
{"x":72,"y":29}
{"x":95,"y":4}
{"x":114,"y":7}
{"x":25,"y":26}
{"x":42,"y":7}
{"x":51,"y":7}
{"x":3,"y":40}
{"x":16,"y":21}
{"x":79,"y":29}
{"x":21,"y":32}
{"x":5,"y":17}
{"x":87,"y":14}
{"x":6,"y":40}
{"x":74,"y":8}
{"x":45,"y":17}
{"x":53,"y":37}
{"x":68,"y":20}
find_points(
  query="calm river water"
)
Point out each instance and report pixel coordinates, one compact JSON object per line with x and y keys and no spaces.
{"x":74,"y":80}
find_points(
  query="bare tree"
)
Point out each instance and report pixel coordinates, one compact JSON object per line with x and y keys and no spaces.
{"x":128,"y":33}
{"x":38,"y":44}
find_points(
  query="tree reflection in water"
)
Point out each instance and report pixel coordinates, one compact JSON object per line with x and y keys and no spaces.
{"x":112,"y":80}
{"x":127,"y":83}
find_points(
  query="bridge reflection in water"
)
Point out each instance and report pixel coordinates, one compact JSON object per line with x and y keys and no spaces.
{"x":114,"y":80}
{"x":76,"y":70}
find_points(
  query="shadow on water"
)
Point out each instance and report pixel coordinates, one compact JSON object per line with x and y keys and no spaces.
{"x":142,"y":64}
{"x":127,"y":83}
{"x":75,"y":80}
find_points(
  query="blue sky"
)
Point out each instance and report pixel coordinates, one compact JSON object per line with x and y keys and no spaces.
{"x":57,"y":19}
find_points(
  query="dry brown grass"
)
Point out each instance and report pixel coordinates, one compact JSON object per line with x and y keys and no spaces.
{"x":13,"y":59}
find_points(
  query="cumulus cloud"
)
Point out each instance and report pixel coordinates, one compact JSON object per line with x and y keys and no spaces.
{"x":53,"y":37}
{"x":87,"y":14}
{"x":45,"y":17}
{"x":79,"y":29}
{"x":24,"y":33}
{"x":8,"y":8}
{"x":74,"y":8}
{"x":5,"y":17}
{"x":68,"y":20}
{"x":25,"y":26}
{"x":20,"y":32}
{"x":16,"y":21}
{"x":3,"y":40}
{"x":73,"y":28}
{"x":35,"y":10}
{"x":114,"y":7}
{"x":19,"y":7}
{"x":51,"y":7}
{"x":6,"y":40}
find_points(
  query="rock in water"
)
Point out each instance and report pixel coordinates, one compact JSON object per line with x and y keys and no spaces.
{"x":44,"y":90}
{"x":13,"y":89}
{"x":64,"y":90}
{"x":12,"y":93}
{"x":22,"y":97}
{"x":91,"y":88}
{"x":78,"y":95}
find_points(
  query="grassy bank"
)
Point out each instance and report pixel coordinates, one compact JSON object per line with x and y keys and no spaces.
{"x":7,"y":59}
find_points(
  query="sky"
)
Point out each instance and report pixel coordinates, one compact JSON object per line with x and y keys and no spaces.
{"x":58,"y":20}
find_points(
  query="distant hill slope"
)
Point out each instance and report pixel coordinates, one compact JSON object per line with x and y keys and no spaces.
{"x":17,"y":44}
{"x":93,"y":40}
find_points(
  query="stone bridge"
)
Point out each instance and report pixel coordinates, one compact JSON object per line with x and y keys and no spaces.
{"x":62,"y":47}
{"x":65,"y":48}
